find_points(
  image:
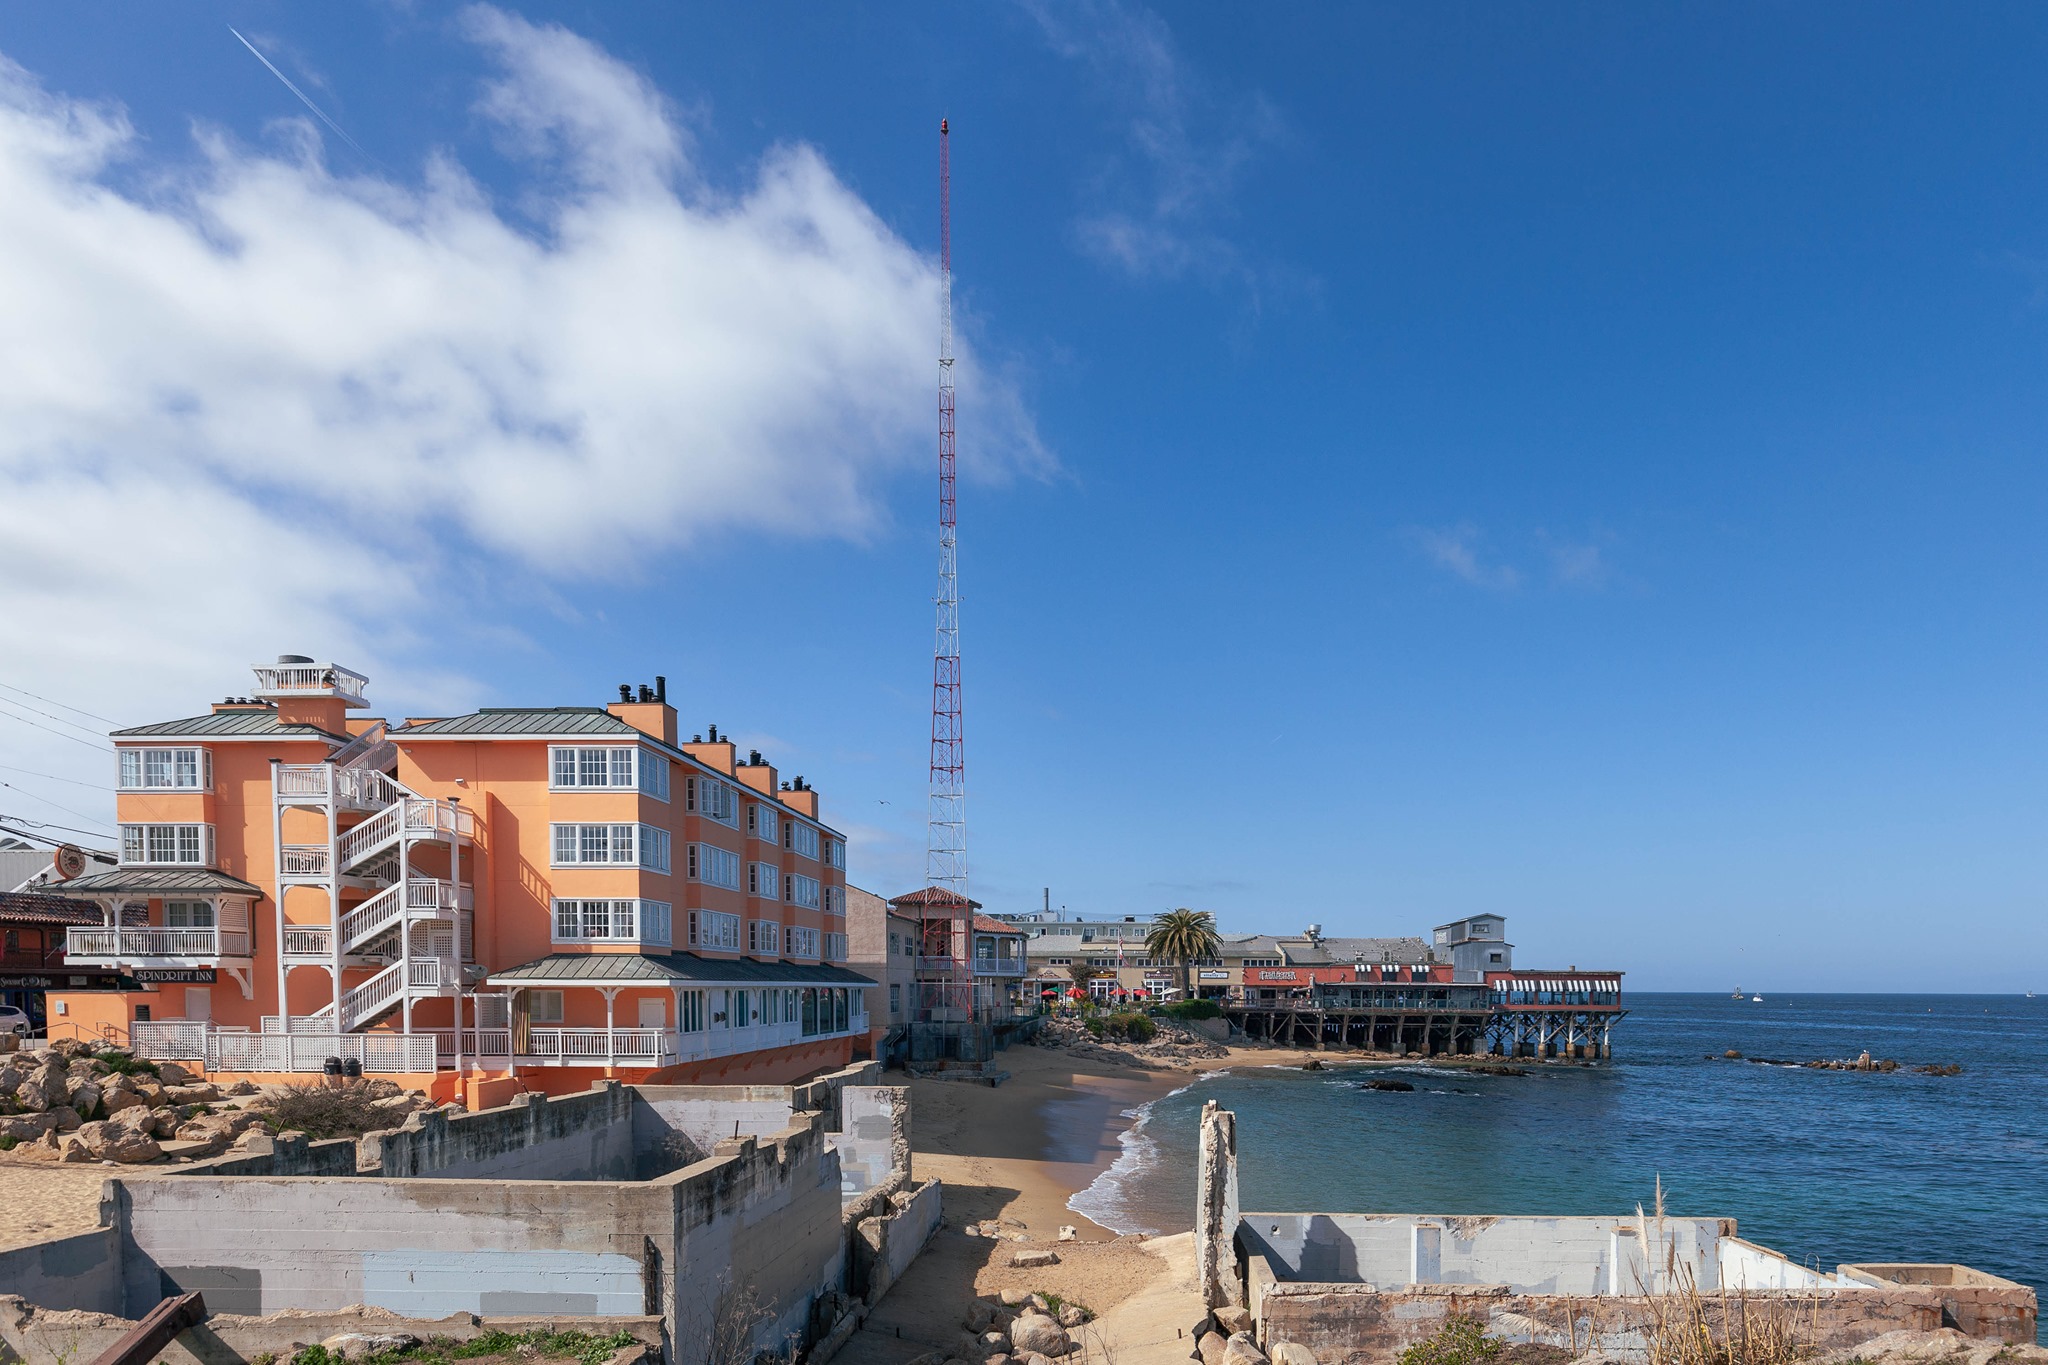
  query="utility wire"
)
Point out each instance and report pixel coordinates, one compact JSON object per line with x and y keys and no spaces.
{"x":48,"y":802}
{"x":54,"y":702}
{"x":45,"y":824}
{"x":30,"y":772}
{"x":61,"y":720}
{"x":59,"y":733}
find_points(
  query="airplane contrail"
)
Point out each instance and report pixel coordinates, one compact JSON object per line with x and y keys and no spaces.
{"x":321,"y":114}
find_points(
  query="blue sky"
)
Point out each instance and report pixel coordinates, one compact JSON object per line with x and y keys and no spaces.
{"x":1577,"y":462}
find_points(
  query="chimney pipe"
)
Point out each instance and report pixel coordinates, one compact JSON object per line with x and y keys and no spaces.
{"x":660,"y":688}
{"x":625,"y":691}
{"x":646,"y":692}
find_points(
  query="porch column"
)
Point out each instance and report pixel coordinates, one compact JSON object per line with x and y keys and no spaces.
{"x":611,"y":1038}
{"x":677,"y":1031}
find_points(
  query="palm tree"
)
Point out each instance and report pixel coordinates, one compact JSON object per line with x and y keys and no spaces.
{"x":1183,"y":936}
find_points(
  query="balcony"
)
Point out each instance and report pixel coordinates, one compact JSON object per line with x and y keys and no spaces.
{"x":305,"y":678}
{"x":626,"y":1046}
{"x":999,"y":966}
{"x":133,"y":944}
{"x":303,"y":860}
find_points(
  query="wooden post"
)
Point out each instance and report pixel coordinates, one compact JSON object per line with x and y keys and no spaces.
{"x":141,"y":1343}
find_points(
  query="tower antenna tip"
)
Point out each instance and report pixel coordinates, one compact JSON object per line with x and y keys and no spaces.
{"x":942,"y":125}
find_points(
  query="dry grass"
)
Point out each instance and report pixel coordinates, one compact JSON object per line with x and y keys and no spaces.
{"x":322,"y":1112}
{"x":1689,"y":1327}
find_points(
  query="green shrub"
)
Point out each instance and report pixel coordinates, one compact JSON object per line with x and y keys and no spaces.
{"x":1193,"y":1009}
{"x":1094,"y":1025}
{"x":8,"y":1143}
{"x":1460,"y":1341}
{"x":1128,"y":1027}
{"x":125,"y":1063}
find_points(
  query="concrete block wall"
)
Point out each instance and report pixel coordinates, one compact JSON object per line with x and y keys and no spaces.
{"x":873,"y":1140}
{"x":284,"y":1155}
{"x":422,"y":1248}
{"x":1531,"y":1255}
{"x":1349,"y":1324}
{"x":759,"y":1218}
{"x":888,"y":1242}
{"x":589,"y":1136}
{"x":78,"y":1272}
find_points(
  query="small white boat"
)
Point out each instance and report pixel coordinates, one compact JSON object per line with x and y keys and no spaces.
{"x":1756,"y":999}
{"x":1737,"y":995}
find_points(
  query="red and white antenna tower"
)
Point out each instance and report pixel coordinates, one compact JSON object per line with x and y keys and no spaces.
{"x":945,"y":860}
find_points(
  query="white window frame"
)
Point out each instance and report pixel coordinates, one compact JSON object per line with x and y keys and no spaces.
{"x":835,"y":900}
{"x":801,"y":890}
{"x":799,"y":941}
{"x":800,"y":838}
{"x":616,"y":843}
{"x":173,"y":765}
{"x":764,"y":936}
{"x":554,"y":1011}
{"x":764,"y":879}
{"x":715,"y":929}
{"x":190,"y":845}
{"x":835,"y":947}
{"x":714,"y":799}
{"x":835,"y":853}
{"x":609,"y":920}
{"x":188,"y":914}
{"x":715,"y":866}
{"x":763,"y":823}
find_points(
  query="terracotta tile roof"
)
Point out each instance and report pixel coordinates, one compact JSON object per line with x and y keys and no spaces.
{"x":34,"y":907}
{"x":935,"y":898}
{"x":983,"y":924}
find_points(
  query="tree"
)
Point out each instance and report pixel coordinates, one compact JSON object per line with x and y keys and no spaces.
{"x":1081,"y":973}
{"x":1183,"y":936}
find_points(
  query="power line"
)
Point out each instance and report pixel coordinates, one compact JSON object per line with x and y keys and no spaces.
{"x":61,"y":720}
{"x":30,"y":772}
{"x":48,"y":802}
{"x":45,"y":824}
{"x":54,"y":702}
{"x":59,"y":733}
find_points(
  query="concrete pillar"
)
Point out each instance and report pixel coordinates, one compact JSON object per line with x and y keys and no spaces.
{"x":1216,"y":1212}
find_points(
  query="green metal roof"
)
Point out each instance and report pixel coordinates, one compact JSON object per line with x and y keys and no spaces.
{"x":241,"y":721}
{"x":670,"y":969}
{"x":156,"y":881}
{"x":526,"y":720}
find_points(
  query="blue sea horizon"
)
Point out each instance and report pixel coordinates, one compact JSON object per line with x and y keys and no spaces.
{"x":1826,"y":1166}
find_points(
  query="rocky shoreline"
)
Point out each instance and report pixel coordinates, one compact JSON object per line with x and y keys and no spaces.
{"x":1865,"y":1063}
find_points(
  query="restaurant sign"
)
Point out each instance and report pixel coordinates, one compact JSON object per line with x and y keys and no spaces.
{"x":1268,"y":975}
{"x":1212,"y":974}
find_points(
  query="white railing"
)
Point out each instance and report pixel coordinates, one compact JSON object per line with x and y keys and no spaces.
{"x":424,"y":972}
{"x":362,"y":1001}
{"x":131,"y":941}
{"x":303,"y":860}
{"x":318,"y":680}
{"x":628,"y":1046}
{"x":302,"y":779}
{"x":412,"y":816}
{"x":316,"y":942}
{"x":383,"y":910}
{"x":368,"y":789}
{"x":999,"y":966}
{"x":297,"y":1051}
{"x":170,"y":1040}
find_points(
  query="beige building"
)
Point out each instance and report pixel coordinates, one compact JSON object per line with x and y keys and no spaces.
{"x":882,"y":946}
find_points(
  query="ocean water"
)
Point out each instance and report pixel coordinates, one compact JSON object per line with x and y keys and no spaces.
{"x":1825,"y":1166}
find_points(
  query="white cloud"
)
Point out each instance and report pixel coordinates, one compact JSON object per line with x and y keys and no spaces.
{"x":1184,"y":145}
{"x":1457,"y":551}
{"x":1576,"y":565}
{"x":247,"y":405}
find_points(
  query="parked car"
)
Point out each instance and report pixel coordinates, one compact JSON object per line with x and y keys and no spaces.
{"x":13,"y":1020}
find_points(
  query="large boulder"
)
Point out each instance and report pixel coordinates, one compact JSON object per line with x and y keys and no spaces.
{"x":1230,"y":1320}
{"x":1292,"y":1353}
{"x":1242,"y":1350}
{"x":114,"y":1101}
{"x":1041,"y":1333}
{"x":83,"y":1094}
{"x":43,"y":1088}
{"x":64,"y":1118}
{"x":191,"y":1094}
{"x":113,"y":1142}
{"x":356,"y":1345}
{"x":1211,"y":1346}
{"x":170,"y":1073}
{"x":979,"y":1316}
{"x":48,"y":1147}
{"x":149,"y":1087}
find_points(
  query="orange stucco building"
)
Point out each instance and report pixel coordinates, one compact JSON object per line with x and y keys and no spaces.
{"x":546,"y":894}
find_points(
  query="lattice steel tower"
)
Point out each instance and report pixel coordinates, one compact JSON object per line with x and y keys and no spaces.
{"x":945,"y":861}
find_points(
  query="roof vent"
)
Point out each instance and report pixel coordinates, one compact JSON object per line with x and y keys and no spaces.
{"x":625,"y":691}
{"x":754,"y":758}
{"x":646,"y":692}
{"x":712,"y":730}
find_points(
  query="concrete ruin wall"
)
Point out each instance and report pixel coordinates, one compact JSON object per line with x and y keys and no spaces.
{"x":1216,"y":1215}
{"x":887,"y":1243}
{"x":873,"y":1140}
{"x":588,"y":1136}
{"x":1349,"y":1324}
{"x":422,"y":1248}
{"x":79,"y":1272}
{"x":705,"y":1115}
{"x":283,"y":1155}
{"x":1531,"y":1255}
{"x":1973,"y":1301}
{"x":36,"y":1335}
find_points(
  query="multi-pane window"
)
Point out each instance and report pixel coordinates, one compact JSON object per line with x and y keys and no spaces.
{"x":801,"y":837}
{"x":895,"y":999}
{"x":835,"y":947}
{"x":764,"y":936}
{"x":764,"y":879}
{"x":644,"y":846}
{"x":714,"y":800}
{"x":835,"y":900}
{"x":589,"y":767}
{"x":835,"y":853}
{"x":611,"y":921}
{"x":690,"y":1012}
{"x":188,"y":914}
{"x":801,"y":890}
{"x":715,"y":866}
{"x":799,"y":941}
{"x":761,"y":822}
{"x":166,"y":770}
{"x":714,"y":929}
{"x":182,"y":845}
{"x":544,"y":1007}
